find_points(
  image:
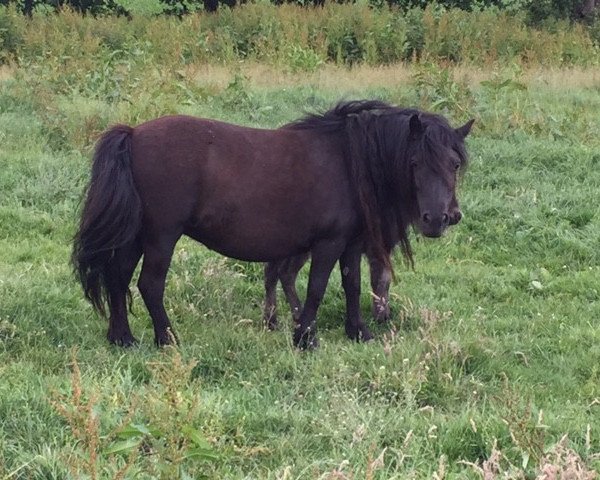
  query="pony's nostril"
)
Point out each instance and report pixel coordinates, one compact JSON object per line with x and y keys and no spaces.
{"x":455,"y":217}
{"x":426,"y":218}
{"x":445,"y":218}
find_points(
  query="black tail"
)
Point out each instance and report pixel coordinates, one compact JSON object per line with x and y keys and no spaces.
{"x":111,"y":217}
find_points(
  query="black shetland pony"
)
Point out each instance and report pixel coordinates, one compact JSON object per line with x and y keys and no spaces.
{"x":331,"y":184}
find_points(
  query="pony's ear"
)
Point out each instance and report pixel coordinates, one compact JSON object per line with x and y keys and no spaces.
{"x":465,"y":129}
{"x":415,"y":126}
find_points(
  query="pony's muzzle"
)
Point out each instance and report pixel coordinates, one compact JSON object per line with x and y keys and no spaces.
{"x":434,"y":225}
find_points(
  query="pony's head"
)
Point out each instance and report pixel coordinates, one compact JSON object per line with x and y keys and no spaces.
{"x":436,"y":157}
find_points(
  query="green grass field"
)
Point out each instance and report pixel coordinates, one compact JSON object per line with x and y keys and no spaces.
{"x":492,"y":357}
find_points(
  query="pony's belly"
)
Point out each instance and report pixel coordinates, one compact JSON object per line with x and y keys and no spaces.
{"x":253,"y":230}
{"x":249,"y":248}
{"x":250,"y":252}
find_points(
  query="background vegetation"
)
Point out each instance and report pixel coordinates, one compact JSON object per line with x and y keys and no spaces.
{"x":536,"y":11}
{"x":296,"y":37}
{"x":491,"y":367}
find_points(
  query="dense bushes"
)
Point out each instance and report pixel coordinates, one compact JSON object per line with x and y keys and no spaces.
{"x":536,"y":11}
{"x":292,"y":37}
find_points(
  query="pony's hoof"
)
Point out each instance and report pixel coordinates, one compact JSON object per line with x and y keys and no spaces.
{"x":272,"y":323}
{"x":165,"y":338}
{"x":359,"y":334}
{"x":365,"y":336}
{"x":123,"y":340}
{"x":381,"y":313}
{"x":306,"y":340}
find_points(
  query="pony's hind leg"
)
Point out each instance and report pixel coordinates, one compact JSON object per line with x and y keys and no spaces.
{"x":324,"y":256}
{"x":270,"y":310}
{"x":350,"y":268}
{"x":157,"y":258}
{"x":286,"y":271}
{"x":288,"y":275}
{"x":123,"y":266}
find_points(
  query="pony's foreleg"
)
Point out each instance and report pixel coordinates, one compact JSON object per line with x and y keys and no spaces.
{"x":270,"y":310}
{"x":350,"y":269}
{"x":288,"y":275}
{"x":157,"y":258}
{"x":381,"y":277}
{"x":122,"y":267}
{"x":324,"y":255}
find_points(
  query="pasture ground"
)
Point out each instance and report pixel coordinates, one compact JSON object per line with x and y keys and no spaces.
{"x":492,"y":357}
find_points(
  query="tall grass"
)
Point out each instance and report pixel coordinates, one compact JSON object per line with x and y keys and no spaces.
{"x":297,"y":37}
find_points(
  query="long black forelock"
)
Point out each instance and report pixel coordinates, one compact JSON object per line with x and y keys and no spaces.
{"x":378,"y":142}
{"x":437,"y":138}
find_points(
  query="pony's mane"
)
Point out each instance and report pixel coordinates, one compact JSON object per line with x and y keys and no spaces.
{"x":334,"y":119}
{"x":437,"y":129}
{"x":379,"y":148}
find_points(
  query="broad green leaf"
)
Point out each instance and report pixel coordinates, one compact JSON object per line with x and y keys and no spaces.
{"x":138,"y":430}
{"x":202,"y":454}
{"x":197,"y":438}
{"x":125,"y":446}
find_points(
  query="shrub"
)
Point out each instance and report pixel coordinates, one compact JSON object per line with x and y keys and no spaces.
{"x":11,"y":33}
{"x":68,"y":46}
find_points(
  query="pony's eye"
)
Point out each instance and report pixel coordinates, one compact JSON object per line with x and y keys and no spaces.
{"x":456,"y":165}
